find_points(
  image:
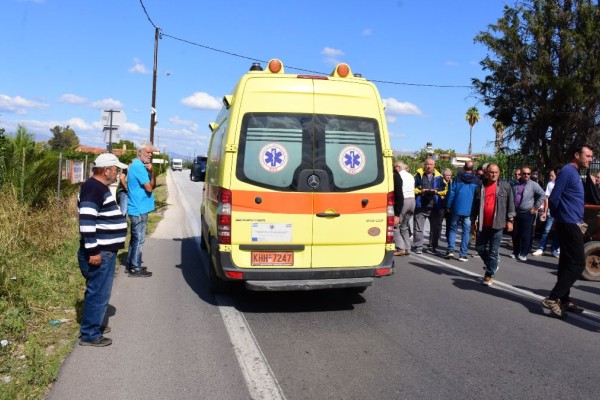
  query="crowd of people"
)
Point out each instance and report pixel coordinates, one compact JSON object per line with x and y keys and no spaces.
{"x":483,"y":208}
{"x":476,"y":201}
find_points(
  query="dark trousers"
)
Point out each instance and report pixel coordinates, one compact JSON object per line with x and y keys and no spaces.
{"x":445,"y":217}
{"x":522,"y":233}
{"x":571,"y":262}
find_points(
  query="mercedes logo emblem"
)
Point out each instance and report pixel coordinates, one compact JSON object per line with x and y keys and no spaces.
{"x":313,"y":181}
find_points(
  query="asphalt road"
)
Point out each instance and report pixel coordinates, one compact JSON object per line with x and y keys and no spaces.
{"x":431,"y":331}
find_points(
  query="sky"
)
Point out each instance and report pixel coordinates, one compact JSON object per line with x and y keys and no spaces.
{"x":63,"y":62}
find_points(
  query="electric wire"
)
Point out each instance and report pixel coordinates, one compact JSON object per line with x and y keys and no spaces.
{"x":162,"y":34}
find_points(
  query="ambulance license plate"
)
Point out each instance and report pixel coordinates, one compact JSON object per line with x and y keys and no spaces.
{"x":272,"y":258}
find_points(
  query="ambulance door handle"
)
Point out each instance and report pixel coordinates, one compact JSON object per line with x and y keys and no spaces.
{"x":325,"y":215}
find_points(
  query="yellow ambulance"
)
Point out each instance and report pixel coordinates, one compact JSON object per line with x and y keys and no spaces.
{"x":298,"y":192}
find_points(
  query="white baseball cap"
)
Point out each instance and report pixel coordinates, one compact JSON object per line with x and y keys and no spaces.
{"x":108,"y":160}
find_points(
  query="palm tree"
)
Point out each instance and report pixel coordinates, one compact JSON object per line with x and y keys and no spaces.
{"x":472,"y":118}
{"x":499,"y":128}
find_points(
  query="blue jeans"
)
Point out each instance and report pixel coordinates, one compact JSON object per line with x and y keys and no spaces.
{"x":487,"y":245}
{"x":466,"y":228}
{"x":138,"y":237}
{"x":544,"y":239}
{"x":123,"y":199}
{"x":99,"y":281}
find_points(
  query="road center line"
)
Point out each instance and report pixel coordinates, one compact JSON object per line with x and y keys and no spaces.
{"x":587,"y":317}
{"x":259,"y":377}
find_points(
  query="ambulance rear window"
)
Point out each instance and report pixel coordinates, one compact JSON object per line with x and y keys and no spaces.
{"x":276,"y":150}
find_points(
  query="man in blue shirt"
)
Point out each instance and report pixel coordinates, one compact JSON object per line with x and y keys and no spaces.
{"x":566,"y":205}
{"x":141,"y":182}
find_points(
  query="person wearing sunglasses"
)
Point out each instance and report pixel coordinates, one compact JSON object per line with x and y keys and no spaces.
{"x":529,"y":197}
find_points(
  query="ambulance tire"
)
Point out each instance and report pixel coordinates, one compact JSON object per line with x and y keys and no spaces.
{"x":202,"y":241}
{"x":216,"y":285}
{"x":592,"y":262}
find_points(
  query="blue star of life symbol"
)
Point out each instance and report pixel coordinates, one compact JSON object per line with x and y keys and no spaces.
{"x":273,"y":157}
{"x":352,"y":159}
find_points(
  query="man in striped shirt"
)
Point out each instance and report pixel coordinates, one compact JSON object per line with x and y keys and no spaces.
{"x":102,"y":229}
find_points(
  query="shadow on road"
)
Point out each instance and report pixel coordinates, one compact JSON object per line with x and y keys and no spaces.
{"x":532,"y":305}
{"x":194,"y":268}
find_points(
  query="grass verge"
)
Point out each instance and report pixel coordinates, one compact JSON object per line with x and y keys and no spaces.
{"x":41,"y":290}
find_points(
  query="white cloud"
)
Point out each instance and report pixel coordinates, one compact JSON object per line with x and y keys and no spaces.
{"x":367,"y":32}
{"x":203,"y":101}
{"x":106,"y":103}
{"x":72,"y":99}
{"x":139,"y":69}
{"x":452,"y":63}
{"x":19,"y":105}
{"x":395,"y":107}
{"x":134,"y":128}
{"x":78,"y":124}
{"x":181,"y":141}
{"x":191,"y":125}
{"x":328,"y":51}
{"x":332,"y":55}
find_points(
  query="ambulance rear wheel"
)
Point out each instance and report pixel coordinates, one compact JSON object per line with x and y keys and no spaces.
{"x":592,"y":262}
{"x":216,"y":285}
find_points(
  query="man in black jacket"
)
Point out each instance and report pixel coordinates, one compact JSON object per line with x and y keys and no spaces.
{"x":494,"y":208}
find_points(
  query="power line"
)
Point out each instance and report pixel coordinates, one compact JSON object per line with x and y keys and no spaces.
{"x":146,"y":12}
{"x":162,"y":34}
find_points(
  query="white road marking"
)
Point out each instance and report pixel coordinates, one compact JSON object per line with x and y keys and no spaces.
{"x":259,"y":377}
{"x":587,"y":317}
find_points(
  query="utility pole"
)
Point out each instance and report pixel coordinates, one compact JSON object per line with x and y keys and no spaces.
{"x":110,"y":127}
{"x":153,"y":109}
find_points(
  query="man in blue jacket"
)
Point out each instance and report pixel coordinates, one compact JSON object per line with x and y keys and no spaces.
{"x":460,"y":201}
{"x":566,"y":205}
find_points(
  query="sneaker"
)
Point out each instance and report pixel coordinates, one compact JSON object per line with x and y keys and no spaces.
{"x":487,"y":280}
{"x":512,"y":255}
{"x":449,"y":255}
{"x":432,"y":250}
{"x":522,"y":258}
{"x":105,"y":329}
{"x":133,"y":273}
{"x":419,"y":251}
{"x":554,"y":306}
{"x":128,"y":269}
{"x":572,"y":307}
{"x":538,"y":252}
{"x":399,"y":253}
{"x":100,"y":342}
{"x":556,"y":253}
{"x":463,"y":258}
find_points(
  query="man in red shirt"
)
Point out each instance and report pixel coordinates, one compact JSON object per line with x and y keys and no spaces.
{"x":494,"y":209}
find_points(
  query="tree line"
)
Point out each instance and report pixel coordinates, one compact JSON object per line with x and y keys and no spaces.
{"x":31,"y":168}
